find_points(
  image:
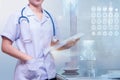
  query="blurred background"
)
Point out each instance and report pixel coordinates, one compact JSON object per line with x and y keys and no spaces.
{"x":97,"y":19}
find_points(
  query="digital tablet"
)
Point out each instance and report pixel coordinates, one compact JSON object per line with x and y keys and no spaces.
{"x":63,"y":43}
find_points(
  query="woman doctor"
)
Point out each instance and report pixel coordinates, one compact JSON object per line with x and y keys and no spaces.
{"x":33,"y":41}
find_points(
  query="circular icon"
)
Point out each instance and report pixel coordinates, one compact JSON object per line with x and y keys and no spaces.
{"x":104,"y":27}
{"x":99,"y":15}
{"x":105,"y":21}
{"x":116,"y":21}
{"x":110,"y":8}
{"x":104,"y":33}
{"x":116,"y":9}
{"x":93,"y":8}
{"x":93,"y":14}
{"x":105,"y":14}
{"x":116,"y":33}
{"x":99,"y":33}
{"x":99,"y":27}
{"x":110,"y":33}
{"x":110,"y":21}
{"x":116,"y":14}
{"x":99,"y":21}
{"x":110,"y":14}
{"x":98,"y":8}
{"x":110,"y":27}
{"x":93,"y":21}
{"x":116,"y":27}
{"x":93,"y":33}
{"x":93,"y":27}
{"x":104,"y":8}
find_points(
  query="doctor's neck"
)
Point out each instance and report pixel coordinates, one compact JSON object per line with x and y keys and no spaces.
{"x":36,"y":9}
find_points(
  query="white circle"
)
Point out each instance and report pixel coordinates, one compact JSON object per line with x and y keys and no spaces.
{"x":116,"y":9}
{"x":93,"y":21}
{"x":104,"y":27}
{"x":116,"y":14}
{"x":99,"y":27}
{"x":116,"y":33}
{"x":98,"y":8}
{"x":110,"y":33}
{"x":93,"y":33}
{"x":105,"y":33}
{"x":93,"y":14}
{"x":93,"y":27}
{"x":104,"y":8}
{"x":110,"y":14}
{"x":110,"y":21}
{"x":99,"y":15}
{"x":116,"y":21}
{"x":110,"y":8}
{"x":116,"y":27}
{"x":110,"y":27}
{"x":99,"y":33}
{"x":93,"y":8}
{"x":105,"y":14}
{"x":105,"y":21}
{"x":99,"y":21}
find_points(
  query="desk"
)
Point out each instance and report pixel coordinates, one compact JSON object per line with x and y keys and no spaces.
{"x":60,"y":76}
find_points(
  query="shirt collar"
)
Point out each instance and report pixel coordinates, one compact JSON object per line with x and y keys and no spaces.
{"x":28,"y":12}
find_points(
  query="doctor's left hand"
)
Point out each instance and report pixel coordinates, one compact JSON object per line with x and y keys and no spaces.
{"x":69,"y":44}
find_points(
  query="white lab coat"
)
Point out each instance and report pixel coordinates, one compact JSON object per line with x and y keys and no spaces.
{"x":40,"y":34}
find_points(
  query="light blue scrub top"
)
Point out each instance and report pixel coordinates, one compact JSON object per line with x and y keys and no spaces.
{"x":41,"y":32}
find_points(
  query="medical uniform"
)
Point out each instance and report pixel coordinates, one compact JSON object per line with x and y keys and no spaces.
{"x":42,"y":66}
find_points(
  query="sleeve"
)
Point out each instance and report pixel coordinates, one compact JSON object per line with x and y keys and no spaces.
{"x":11,"y":29}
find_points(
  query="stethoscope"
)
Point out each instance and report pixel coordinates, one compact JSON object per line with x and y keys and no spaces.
{"x":53,"y":25}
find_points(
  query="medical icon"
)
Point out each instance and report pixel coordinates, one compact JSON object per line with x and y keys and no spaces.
{"x":93,"y":21}
{"x":99,"y":21}
{"x":104,"y":8}
{"x":116,"y":15}
{"x":99,"y":8}
{"x":93,"y":8}
{"x":104,"y":33}
{"x":99,"y":15}
{"x":99,"y":27}
{"x":116,"y":9}
{"x":110,"y":27}
{"x":93,"y":33}
{"x":110,"y":14}
{"x":116,"y":27}
{"x":116,"y":21}
{"x":116,"y":33}
{"x":99,"y":33}
{"x":110,"y":33}
{"x":104,"y":27}
{"x":104,"y":20}
{"x":93,"y":15}
{"x":110,"y":21}
{"x":110,"y":9}
{"x":105,"y":14}
{"x":93,"y":27}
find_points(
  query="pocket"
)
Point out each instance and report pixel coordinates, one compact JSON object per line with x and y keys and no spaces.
{"x":25,"y":32}
{"x":31,"y":74}
{"x":31,"y":71}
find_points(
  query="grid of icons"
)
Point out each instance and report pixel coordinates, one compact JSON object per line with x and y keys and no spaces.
{"x":105,"y":21}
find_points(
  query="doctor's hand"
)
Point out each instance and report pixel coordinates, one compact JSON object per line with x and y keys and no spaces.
{"x":69,"y":44}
